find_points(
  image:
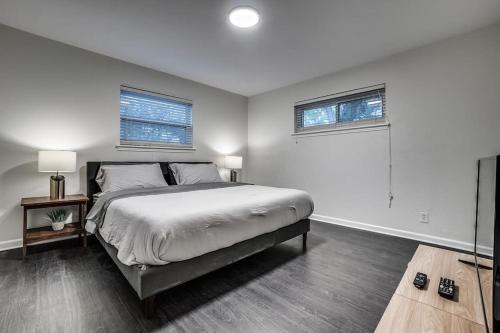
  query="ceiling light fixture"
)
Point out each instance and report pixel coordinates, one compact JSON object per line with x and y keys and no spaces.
{"x":244,"y":17}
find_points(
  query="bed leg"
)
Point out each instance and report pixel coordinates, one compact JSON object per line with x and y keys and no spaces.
{"x":148,"y":306}
{"x":304,"y":242}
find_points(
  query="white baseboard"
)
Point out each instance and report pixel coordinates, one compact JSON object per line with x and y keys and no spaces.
{"x":403,"y":233}
{"x":11,"y":244}
{"x":17,"y":243}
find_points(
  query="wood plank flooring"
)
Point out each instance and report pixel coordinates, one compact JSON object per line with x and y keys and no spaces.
{"x":342,"y":284}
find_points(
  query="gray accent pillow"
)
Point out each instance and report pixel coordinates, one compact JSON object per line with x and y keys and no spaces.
{"x":127,"y":176}
{"x":186,"y":174}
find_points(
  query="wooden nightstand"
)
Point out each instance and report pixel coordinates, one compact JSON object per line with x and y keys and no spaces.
{"x":34,"y":235}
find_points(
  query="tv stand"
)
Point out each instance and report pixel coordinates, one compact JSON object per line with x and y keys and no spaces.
{"x":423,"y":310}
{"x":472,"y":263}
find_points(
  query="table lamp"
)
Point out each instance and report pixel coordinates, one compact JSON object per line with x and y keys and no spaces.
{"x":56,"y":161}
{"x":233,"y":163}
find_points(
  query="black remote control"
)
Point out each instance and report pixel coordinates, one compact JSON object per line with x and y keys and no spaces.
{"x":446,"y":288}
{"x":420,"y":280}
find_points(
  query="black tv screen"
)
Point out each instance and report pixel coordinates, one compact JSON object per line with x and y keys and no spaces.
{"x":487,"y":234}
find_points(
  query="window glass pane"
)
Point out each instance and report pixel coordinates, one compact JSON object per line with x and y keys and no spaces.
{"x":325,"y":113}
{"x":320,"y":116}
{"x":150,"y":118}
{"x":151,"y":132}
{"x":361,"y":109}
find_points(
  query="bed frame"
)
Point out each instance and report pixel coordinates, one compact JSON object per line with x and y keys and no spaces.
{"x":154,"y":279}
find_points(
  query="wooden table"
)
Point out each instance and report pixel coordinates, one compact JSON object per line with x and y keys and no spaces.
{"x":34,"y":235}
{"x":414,"y":310}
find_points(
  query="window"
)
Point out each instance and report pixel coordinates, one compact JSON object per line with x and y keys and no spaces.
{"x":357,"y":108}
{"x":149,"y":119}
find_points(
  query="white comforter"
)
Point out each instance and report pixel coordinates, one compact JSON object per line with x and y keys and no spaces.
{"x":162,"y":228}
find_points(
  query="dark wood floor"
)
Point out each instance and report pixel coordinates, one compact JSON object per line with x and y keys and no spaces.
{"x":342,"y":284}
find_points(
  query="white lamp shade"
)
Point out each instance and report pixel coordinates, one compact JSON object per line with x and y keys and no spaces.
{"x":233,"y":162}
{"x":56,"y":161}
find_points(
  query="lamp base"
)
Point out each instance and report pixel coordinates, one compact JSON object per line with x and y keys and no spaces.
{"x":234,"y":176}
{"x":57,"y":187}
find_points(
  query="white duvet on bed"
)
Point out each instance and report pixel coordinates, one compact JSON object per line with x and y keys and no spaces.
{"x":162,"y":228}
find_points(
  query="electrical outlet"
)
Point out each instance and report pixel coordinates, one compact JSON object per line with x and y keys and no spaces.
{"x":423,"y":217}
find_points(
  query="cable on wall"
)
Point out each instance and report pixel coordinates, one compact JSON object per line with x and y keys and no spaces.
{"x":389,"y":132}
{"x":391,"y":195}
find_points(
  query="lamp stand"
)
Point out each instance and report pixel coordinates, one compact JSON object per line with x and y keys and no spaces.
{"x":57,"y":187}
{"x":234,"y":176}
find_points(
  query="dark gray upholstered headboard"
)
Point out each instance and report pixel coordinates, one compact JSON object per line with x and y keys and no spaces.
{"x":93,"y":168}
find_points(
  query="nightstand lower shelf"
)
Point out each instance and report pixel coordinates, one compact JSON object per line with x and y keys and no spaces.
{"x":35,"y":235}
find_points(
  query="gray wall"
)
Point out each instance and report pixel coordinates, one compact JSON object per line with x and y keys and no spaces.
{"x":54,"y":96}
{"x":443,"y":101}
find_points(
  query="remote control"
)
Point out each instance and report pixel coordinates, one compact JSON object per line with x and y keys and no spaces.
{"x":446,"y":288}
{"x":420,"y":280}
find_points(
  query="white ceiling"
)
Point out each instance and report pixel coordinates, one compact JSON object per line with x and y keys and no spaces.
{"x":295,"y":40}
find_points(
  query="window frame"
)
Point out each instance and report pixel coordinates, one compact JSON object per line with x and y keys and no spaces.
{"x":337,"y":99}
{"x":154,"y":145}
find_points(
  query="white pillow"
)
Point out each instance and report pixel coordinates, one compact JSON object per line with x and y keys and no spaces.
{"x":120,"y":177}
{"x":186,"y":174}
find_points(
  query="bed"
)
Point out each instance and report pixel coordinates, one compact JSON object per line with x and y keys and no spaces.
{"x":196,"y":244}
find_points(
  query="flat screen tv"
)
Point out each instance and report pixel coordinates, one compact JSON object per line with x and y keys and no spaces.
{"x":487,"y":229}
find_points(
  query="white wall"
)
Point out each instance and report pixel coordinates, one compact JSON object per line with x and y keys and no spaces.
{"x":54,"y":96}
{"x":443,"y":101}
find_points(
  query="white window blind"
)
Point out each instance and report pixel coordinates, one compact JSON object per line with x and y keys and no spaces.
{"x":351,"y":109}
{"x":150,"y":119}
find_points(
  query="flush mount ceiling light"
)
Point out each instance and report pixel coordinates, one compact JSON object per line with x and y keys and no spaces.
{"x":244,"y":17}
